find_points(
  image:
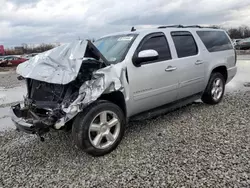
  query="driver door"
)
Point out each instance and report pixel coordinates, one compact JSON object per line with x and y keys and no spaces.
{"x":153,"y":83}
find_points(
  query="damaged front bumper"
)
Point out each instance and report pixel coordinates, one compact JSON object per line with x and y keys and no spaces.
{"x":31,"y":126}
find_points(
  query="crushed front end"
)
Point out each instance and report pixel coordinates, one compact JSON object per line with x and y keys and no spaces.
{"x":28,"y":121}
{"x":54,"y":98}
{"x":45,"y":103}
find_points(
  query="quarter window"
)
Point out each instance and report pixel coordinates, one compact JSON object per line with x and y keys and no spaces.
{"x":184,"y":43}
{"x":215,"y":40}
{"x":159,"y":44}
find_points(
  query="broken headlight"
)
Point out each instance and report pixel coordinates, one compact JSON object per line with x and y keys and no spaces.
{"x":72,"y":105}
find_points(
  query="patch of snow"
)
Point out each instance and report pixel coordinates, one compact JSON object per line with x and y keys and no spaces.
{"x":12,"y":94}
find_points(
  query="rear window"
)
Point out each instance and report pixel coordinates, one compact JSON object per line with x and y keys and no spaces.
{"x":245,"y":40}
{"x":215,"y":40}
{"x":184,"y":43}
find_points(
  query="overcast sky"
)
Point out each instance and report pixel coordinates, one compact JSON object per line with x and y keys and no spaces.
{"x":45,"y":21}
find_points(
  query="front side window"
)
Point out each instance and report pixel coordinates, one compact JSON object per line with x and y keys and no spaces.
{"x":184,"y":43}
{"x":115,"y":48}
{"x":215,"y":40}
{"x":159,"y":44}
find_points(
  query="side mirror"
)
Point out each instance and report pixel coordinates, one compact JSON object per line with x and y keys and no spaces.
{"x":146,"y":55}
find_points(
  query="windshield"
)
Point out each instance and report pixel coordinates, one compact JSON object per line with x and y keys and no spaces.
{"x":115,"y":48}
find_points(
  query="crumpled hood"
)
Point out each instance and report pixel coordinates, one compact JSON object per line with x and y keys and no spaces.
{"x":59,"y":65}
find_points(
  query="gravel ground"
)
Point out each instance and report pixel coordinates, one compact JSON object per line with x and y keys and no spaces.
{"x":8,"y":78}
{"x":195,"y":146}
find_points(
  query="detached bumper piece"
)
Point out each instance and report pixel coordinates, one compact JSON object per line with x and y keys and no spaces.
{"x":27,"y":121}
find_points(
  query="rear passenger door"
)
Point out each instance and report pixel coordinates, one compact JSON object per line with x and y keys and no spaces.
{"x":191,"y":68}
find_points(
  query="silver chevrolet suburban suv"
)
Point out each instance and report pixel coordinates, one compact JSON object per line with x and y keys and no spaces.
{"x":94,"y":89}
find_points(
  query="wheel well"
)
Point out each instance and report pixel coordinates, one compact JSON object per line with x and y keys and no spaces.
{"x":117,"y":98}
{"x":222,"y":70}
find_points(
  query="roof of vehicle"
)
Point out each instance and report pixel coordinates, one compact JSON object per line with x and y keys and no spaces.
{"x":11,"y":56}
{"x":7,"y":57}
{"x":165,"y":28}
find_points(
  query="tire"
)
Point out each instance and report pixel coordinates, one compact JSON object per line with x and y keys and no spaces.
{"x":84,"y":135}
{"x":68,"y":125}
{"x":4,"y":64}
{"x":210,"y":93}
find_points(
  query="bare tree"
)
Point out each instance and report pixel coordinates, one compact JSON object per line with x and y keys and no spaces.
{"x":32,"y":49}
{"x":240,"y":32}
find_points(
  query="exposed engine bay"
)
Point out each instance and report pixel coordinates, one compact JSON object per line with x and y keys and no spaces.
{"x":71,"y":82}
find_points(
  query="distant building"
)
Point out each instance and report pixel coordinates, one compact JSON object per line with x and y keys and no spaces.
{"x":19,"y":49}
{"x":2,"y":50}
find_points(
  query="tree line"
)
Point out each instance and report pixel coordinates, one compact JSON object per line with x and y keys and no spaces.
{"x":239,"y":32}
{"x":25,"y":49}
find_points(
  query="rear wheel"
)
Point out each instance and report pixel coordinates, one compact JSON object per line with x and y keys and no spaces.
{"x":99,"y":128}
{"x":215,"y":89}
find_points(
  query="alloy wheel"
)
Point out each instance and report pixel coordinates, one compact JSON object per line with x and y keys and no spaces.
{"x":217,"y":89}
{"x":104,"y":130}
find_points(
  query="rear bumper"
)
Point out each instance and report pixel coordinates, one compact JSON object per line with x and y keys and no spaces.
{"x":231,"y":72}
{"x":36,"y":127}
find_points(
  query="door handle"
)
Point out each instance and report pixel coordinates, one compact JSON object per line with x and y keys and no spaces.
{"x":198,"y":62}
{"x":170,"y":69}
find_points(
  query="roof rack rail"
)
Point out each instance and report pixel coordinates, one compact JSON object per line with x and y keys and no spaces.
{"x":188,"y":26}
{"x":213,"y":27}
{"x":198,"y":26}
{"x":167,"y":26}
{"x":193,"y":26}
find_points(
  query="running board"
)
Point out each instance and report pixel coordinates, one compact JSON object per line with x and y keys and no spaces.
{"x":165,"y":108}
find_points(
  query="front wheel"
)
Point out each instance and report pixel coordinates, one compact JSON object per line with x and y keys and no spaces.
{"x":99,"y":129}
{"x":215,"y":89}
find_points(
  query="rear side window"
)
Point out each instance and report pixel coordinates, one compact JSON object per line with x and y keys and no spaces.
{"x":184,"y":43}
{"x":158,"y":43}
{"x":215,"y":40}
